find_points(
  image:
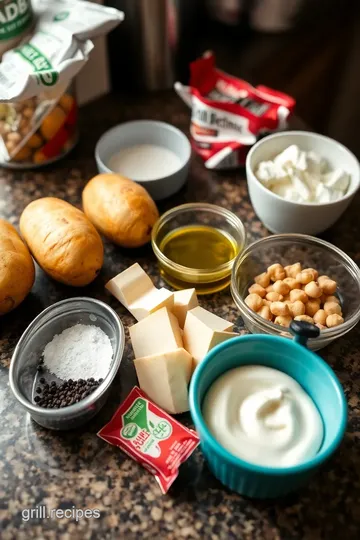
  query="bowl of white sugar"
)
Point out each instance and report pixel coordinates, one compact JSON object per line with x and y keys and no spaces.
{"x":65,"y":361}
{"x":151,"y":153}
{"x":301,"y":182}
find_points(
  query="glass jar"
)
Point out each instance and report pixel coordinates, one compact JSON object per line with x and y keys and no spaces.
{"x":39,"y":130}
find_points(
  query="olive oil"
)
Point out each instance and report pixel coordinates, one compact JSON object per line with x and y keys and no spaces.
{"x":203,"y":250}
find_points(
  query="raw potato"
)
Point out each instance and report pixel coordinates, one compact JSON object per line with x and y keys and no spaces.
{"x":17,"y":270}
{"x":120,"y":209}
{"x":63,"y":241}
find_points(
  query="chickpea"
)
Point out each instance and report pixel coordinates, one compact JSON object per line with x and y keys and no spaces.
{"x":298,"y":294}
{"x":292,"y":283}
{"x":274,"y":297}
{"x":293,"y":270}
{"x":254,"y":301}
{"x":313,"y":290}
{"x":265,"y":313}
{"x":257,"y":289}
{"x":283,"y":320}
{"x":28,"y":112}
{"x":266,"y":302}
{"x":297,"y":308}
{"x":315,"y":272}
{"x":305,"y":318}
{"x":270,"y":288}
{"x":263,"y":279}
{"x":334,"y":320}
{"x":321,"y":279}
{"x":14,"y":137}
{"x":328,"y":286}
{"x":330,"y":299}
{"x":332,"y":307}
{"x":312,"y":306}
{"x":305,"y":277}
{"x":10,"y":146}
{"x":281,"y":287}
{"x":320,"y":317}
{"x":276,"y":272}
{"x":286,"y":298}
{"x":321,"y":326}
{"x":279,"y":308}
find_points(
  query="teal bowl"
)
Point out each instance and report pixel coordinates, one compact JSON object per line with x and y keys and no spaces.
{"x":309,"y":370}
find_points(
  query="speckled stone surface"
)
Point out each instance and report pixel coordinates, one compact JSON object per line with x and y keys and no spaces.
{"x":77,"y":469}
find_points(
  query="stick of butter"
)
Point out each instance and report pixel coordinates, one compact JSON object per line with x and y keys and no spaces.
{"x":156,"y":334}
{"x":165,"y":378}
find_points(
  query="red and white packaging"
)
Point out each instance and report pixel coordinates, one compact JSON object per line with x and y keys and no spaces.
{"x":228,"y":114}
{"x":151,"y":437}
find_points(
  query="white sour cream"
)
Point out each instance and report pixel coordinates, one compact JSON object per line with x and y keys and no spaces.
{"x":263,"y":416}
{"x":145,"y":162}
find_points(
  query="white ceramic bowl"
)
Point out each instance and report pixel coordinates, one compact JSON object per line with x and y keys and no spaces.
{"x":282,"y":216}
{"x":147,"y":132}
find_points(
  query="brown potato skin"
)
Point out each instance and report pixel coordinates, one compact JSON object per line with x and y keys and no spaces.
{"x":17,"y":269}
{"x":63,"y":241}
{"x":120,"y":209}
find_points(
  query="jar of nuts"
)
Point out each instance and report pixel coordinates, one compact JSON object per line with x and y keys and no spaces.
{"x":38,"y":131}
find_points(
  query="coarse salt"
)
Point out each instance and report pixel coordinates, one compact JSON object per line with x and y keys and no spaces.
{"x":79,"y":352}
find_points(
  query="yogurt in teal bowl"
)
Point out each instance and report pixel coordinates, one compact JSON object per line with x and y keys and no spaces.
{"x":240,"y":468}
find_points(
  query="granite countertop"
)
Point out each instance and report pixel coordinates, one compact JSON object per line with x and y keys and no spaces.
{"x":77,"y":469}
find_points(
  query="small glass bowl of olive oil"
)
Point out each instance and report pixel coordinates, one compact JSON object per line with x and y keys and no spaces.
{"x":196,"y":245}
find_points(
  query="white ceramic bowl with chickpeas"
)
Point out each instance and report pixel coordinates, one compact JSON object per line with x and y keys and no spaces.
{"x":294,"y":276}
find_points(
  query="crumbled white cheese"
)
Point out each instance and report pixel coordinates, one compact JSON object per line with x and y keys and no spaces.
{"x":300,"y":176}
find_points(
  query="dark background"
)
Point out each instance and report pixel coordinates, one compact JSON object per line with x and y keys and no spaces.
{"x":317,"y":61}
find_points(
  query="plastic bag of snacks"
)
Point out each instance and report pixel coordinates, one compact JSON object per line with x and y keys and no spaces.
{"x":228,"y":114}
{"x":16,"y":21}
{"x":38,"y":113}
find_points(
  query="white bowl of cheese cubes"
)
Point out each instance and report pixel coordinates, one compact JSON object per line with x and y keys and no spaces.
{"x":301,"y":182}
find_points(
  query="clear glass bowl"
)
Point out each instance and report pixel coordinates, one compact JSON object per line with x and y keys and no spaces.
{"x":205,"y":280}
{"x":311,"y":253}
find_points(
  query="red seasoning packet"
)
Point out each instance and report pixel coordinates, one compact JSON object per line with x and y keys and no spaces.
{"x":228,"y":114}
{"x":151,"y":437}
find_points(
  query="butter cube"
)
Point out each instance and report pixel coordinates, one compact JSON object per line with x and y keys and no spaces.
{"x":150,"y":302}
{"x":130,"y":285}
{"x":211,"y":320}
{"x":183,"y":302}
{"x":202,"y":331}
{"x":165,"y":378}
{"x":156,"y":334}
{"x":135,"y":290}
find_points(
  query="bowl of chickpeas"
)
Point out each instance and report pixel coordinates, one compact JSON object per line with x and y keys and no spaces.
{"x":288,"y":277}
